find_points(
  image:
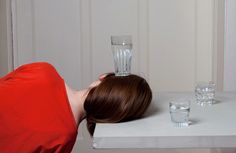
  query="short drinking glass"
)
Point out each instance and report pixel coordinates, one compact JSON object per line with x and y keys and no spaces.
{"x":122,"y":54}
{"x":179,"y":112}
{"x":205,"y":93}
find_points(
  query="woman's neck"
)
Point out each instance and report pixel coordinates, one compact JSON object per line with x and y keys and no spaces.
{"x":76,"y":100}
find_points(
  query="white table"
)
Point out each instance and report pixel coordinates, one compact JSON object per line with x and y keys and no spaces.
{"x":212,"y":126}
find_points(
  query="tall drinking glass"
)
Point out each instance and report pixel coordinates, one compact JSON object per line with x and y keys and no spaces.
{"x":122,"y":54}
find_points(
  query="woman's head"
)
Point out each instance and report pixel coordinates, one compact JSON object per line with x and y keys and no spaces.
{"x":117,"y":99}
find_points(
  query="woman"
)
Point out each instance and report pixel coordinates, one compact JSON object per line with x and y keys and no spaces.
{"x":40,"y":113}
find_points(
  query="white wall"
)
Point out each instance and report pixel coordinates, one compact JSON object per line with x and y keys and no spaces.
{"x":173,"y":41}
{"x":43,"y":31}
{"x":56,"y":37}
{"x":230,"y":47}
{"x":6,"y":63}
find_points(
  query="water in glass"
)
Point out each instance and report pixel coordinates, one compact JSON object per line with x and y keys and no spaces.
{"x":121,"y":49}
{"x":179,"y":113}
{"x":122,"y":59}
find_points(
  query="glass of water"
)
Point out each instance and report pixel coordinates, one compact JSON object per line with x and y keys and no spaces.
{"x":205,"y":93}
{"x":122,"y":54}
{"x":179,"y":112}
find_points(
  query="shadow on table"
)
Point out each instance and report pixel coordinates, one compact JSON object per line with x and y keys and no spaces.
{"x":152,"y":110}
{"x":193,"y":121}
{"x":217,"y":101}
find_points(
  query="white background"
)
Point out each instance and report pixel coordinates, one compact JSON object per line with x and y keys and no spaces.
{"x":230,"y":47}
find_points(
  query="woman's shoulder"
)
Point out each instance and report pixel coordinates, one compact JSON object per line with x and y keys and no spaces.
{"x":39,"y":70}
{"x":36,"y":65}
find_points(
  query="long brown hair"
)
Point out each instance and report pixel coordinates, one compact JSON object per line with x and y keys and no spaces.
{"x":117,"y":99}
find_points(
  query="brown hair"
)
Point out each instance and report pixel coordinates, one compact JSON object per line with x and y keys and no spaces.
{"x":117,"y":99}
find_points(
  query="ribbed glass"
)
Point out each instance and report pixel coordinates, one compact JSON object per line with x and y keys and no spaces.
{"x":122,"y":54}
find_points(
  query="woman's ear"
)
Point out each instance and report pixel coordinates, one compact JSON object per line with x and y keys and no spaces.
{"x":102,"y":76}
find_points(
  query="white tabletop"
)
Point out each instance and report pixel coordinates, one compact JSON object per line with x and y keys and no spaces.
{"x":212,"y":126}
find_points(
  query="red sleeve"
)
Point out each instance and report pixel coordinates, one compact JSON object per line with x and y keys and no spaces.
{"x":35,"y":115}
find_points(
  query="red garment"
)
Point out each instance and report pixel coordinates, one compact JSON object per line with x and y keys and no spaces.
{"x":35,"y":115}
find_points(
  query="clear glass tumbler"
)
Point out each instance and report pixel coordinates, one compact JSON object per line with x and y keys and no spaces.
{"x":179,"y":112}
{"x":122,"y":54}
{"x":205,"y":93}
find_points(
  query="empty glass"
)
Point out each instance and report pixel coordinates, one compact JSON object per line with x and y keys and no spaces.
{"x":205,"y":93}
{"x":121,"y":49}
{"x":179,"y":112}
